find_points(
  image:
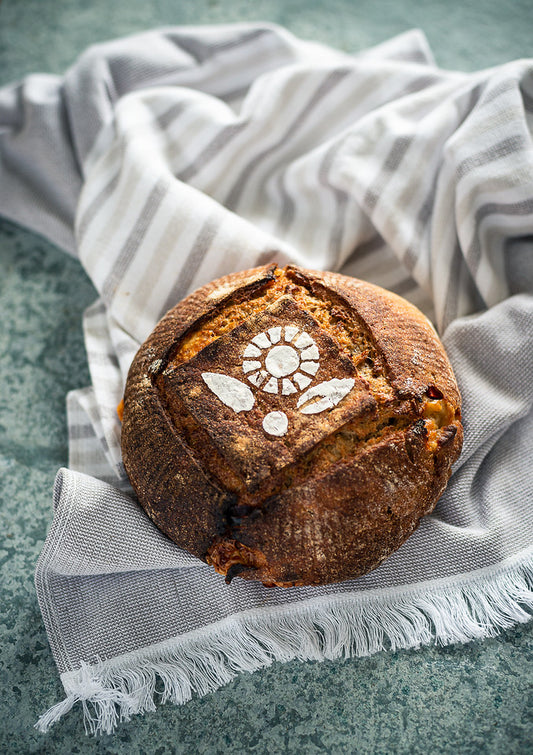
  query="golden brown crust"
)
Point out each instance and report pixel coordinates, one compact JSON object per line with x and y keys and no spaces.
{"x":338,"y":490}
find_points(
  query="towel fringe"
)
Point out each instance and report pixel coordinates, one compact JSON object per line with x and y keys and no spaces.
{"x":340,"y":626}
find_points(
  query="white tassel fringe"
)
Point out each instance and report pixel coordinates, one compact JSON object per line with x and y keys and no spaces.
{"x":338,"y":626}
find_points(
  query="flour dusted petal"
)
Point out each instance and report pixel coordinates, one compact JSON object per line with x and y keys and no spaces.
{"x":230,"y":391}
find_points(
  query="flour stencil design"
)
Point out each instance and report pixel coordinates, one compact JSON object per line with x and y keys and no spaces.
{"x":282,"y":360}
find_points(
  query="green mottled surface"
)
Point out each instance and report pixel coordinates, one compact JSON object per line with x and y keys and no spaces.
{"x":463,"y":699}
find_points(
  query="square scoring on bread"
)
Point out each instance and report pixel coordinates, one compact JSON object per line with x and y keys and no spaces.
{"x":276,"y":356}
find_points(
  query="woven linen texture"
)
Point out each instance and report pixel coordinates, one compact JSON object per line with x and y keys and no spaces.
{"x":168,"y":159}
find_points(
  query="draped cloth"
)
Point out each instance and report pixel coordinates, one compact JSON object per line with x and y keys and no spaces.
{"x":170,"y":158}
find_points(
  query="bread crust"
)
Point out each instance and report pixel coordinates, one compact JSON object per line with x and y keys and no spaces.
{"x":343,"y":488}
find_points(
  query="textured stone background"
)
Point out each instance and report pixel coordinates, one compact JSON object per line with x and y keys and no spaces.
{"x":474,"y":698}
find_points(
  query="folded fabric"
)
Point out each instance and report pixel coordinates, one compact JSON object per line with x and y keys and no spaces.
{"x":173,"y":157}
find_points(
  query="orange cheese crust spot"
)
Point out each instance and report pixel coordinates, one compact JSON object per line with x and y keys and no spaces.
{"x":438,"y":415}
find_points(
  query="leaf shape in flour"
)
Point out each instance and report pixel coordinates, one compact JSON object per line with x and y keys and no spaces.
{"x":330,"y":393}
{"x":230,"y":391}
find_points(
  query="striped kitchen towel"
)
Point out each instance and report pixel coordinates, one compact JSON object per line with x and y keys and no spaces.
{"x":171,"y":158}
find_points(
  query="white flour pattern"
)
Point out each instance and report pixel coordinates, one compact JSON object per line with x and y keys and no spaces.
{"x":281,"y":361}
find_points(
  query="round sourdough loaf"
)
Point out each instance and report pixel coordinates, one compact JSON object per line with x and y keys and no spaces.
{"x":290,"y":426}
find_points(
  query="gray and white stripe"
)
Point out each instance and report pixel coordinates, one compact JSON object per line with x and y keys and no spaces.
{"x":380,"y":165}
{"x":227,"y":147}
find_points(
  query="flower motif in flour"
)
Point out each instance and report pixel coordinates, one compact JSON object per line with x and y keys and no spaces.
{"x":281,"y":361}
